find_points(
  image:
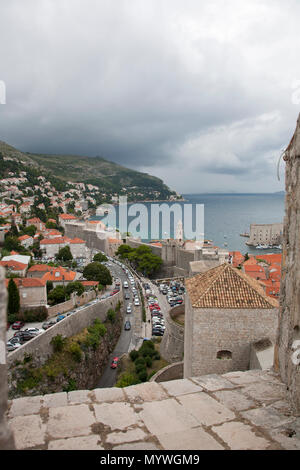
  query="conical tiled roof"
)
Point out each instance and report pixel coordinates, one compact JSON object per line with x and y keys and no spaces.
{"x":227,"y":287}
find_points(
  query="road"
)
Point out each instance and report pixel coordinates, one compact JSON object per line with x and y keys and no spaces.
{"x":128,"y":338}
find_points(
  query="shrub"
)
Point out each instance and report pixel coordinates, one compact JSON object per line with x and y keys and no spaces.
{"x":148,"y":361}
{"x":94,"y":335}
{"x":140,"y":360}
{"x":75,"y":350}
{"x":143,"y":376}
{"x":133,"y":355}
{"x":140,"y":367}
{"x":72,"y":385}
{"x":58,"y":343}
{"x":111,"y":315}
{"x":125,"y":380}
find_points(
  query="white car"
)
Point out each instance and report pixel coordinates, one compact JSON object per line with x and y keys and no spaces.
{"x":136,"y":302}
{"x":125,"y":284}
{"x":36,"y":331}
{"x":128,"y":310}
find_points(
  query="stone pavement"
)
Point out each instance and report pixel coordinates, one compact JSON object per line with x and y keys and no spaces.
{"x":238,"y":410}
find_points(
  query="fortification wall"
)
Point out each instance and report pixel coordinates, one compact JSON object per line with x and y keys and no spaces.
{"x":40,"y":346}
{"x":172,"y":344}
{"x":91,"y":237}
{"x":289,"y":315}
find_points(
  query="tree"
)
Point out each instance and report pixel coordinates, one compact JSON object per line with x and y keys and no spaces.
{"x":49,"y":286}
{"x":30,"y":230}
{"x":57,"y":295}
{"x":64,"y":254}
{"x":124,"y":250}
{"x":97,"y":272}
{"x":100,"y":257}
{"x":12,"y":244}
{"x":75,"y":286}
{"x":149,"y":264}
{"x":13,"y":305}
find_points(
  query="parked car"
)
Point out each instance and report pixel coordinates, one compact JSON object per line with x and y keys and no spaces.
{"x":12,"y":346}
{"x":48,"y":324}
{"x":17,"y":325}
{"x":14,"y":340}
{"x":136,"y":302}
{"x":114,"y":363}
{"x":60,"y":317}
{"x":24,"y":336}
{"x":127,"y":325}
{"x":34,"y":331}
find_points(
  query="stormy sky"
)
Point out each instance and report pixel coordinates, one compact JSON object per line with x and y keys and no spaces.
{"x":203,"y":94}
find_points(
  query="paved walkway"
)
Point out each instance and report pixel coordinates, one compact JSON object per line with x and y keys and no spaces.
{"x":239,"y":410}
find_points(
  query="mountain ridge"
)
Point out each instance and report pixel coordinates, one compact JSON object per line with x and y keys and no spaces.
{"x":107,"y":175}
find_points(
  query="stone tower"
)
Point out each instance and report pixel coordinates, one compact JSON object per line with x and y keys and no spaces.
{"x":287,"y":352}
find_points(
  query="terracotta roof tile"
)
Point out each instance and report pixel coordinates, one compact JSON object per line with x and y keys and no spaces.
{"x":227,"y":287}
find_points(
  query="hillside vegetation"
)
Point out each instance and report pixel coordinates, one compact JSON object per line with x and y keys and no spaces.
{"x":108,"y":176}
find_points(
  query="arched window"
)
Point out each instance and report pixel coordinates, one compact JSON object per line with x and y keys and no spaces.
{"x":224,"y":355}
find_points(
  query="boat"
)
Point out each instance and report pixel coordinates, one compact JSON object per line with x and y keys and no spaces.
{"x":245,"y":234}
{"x":263,"y":247}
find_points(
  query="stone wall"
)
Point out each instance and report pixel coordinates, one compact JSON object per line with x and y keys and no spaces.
{"x":218,"y":341}
{"x":93,"y":241}
{"x":289,"y":315}
{"x":75,"y":301}
{"x":172,"y":344}
{"x":40,"y":347}
{"x":171,"y":372}
{"x":6,"y":439}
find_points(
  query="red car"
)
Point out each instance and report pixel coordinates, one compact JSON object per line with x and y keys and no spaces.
{"x":18,"y":325}
{"x":154,"y":307}
{"x":114,"y":363}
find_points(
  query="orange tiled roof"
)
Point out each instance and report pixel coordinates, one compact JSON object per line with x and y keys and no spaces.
{"x":15,"y":265}
{"x":67,"y":216}
{"x":39,"y":268}
{"x":250,"y":261}
{"x":114,"y":240}
{"x":227,"y":287}
{"x":24,"y":237}
{"x":271,"y":258}
{"x":28,"y":282}
{"x":64,"y":275}
{"x":53,"y":241}
{"x":89,"y":283}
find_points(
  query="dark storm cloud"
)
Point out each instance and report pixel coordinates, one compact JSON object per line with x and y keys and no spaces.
{"x":198,"y":93}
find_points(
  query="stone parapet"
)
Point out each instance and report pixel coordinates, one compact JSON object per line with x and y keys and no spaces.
{"x":235,"y":411}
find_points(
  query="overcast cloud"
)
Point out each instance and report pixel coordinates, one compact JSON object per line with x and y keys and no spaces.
{"x":196,"y":92}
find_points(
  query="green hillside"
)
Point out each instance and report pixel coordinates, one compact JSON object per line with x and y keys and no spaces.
{"x":108,"y":176}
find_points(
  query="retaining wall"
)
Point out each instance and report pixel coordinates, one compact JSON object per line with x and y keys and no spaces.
{"x":40,"y":346}
{"x":172,"y":344}
{"x":75,"y":301}
{"x":171,"y":372}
